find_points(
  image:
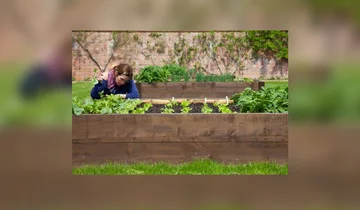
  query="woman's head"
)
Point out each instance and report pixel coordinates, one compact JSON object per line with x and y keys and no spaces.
{"x":123,"y":74}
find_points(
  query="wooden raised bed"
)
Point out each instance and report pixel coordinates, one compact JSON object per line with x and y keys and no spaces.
{"x":194,"y":89}
{"x":177,"y":138}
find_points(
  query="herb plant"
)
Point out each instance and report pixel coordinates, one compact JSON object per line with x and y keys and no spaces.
{"x":268,"y":100}
{"x":152,"y":74}
{"x":169,"y":107}
{"x":143,"y":109}
{"x":223,"y":108}
{"x":206,"y":109}
{"x":185,"y":107}
{"x":110,"y":104}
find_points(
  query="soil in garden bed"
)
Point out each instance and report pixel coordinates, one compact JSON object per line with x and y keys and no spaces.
{"x":195,"y":108}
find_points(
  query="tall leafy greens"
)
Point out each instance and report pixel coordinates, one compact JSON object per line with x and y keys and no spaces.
{"x":268,"y":100}
{"x":176,"y":72}
{"x":152,"y":74}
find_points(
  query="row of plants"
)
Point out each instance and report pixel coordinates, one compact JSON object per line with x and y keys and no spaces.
{"x":176,"y":73}
{"x":266,"y":100}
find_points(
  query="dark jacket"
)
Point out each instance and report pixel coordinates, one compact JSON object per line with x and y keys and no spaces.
{"x":129,"y":89}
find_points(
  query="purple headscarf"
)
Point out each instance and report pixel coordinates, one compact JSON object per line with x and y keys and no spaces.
{"x":111,"y":79}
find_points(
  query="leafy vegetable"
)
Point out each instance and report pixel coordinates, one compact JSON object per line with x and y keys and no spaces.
{"x":206,"y":109}
{"x":268,"y":100}
{"x":169,"y":107}
{"x":176,"y":73}
{"x":143,"y":109}
{"x":152,"y":74}
{"x":185,"y":107}
{"x":223,"y":108}
{"x":110,"y":104}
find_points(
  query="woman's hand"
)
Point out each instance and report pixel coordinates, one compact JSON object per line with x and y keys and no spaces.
{"x":104,"y":75}
{"x":122,"y":95}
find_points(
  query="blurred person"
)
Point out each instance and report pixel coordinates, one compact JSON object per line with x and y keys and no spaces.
{"x":52,"y":72}
{"x":118,"y":80}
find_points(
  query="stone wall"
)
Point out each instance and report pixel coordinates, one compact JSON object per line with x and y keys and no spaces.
{"x":144,"y":48}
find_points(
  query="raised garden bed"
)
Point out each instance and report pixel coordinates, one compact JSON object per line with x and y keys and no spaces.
{"x":194,"y":89}
{"x":177,"y":138}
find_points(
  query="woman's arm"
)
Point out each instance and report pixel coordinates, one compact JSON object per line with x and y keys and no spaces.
{"x":133,"y":92}
{"x":101,"y":86}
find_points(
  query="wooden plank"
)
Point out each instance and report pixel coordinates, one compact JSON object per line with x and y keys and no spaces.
{"x":195,"y":89}
{"x":180,"y":127}
{"x":234,"y":152}
{"x":173,"y":139}
{"x":179,"y":100}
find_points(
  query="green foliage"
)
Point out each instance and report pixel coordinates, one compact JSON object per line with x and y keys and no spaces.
{"x":266,"y":100}
{"x":152,"y":74}
{"x":143,"y":109}
{"x":110,"y":104}
{"x":185,"y":107}
{"x":223,"y":108}
{"x":274,"y":42}
{"x":169,"y":107}
{"x":206,"y":109}
{"x":243,"y":79}
{"x":73,"y":78}
{"x":176,"y":72}
{"x":201,"y":77}
{"x":154,"y":35}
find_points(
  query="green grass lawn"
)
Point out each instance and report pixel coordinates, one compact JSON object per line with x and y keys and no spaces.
{"x":82,"y":89}
{"x":196,"y":167}
{"x":275,"y":83}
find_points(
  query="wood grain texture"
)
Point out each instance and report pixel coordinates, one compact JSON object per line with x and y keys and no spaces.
{"x":226,"y":152}
{"x":161,"y":134}
{"x":193,"y":100}
{"x":194,"y":89}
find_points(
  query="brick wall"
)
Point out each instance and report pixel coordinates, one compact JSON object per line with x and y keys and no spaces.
{"x":144,"y":48}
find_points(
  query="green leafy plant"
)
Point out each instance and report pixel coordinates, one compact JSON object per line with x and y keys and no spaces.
{"x":143,"y":109}
{"x":206,"y":109}
{"x":185,"y":107}
{"x":223,"y":108}
{"x":110,"y":104}
{"x":152,"y":74}
{"x":243,"y":79}
{"x":169,"y":107}
{"x":77,"y":106}
{"x":268,"y":100}
{"x":176,"y":72}
{"x":201,"y":77}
